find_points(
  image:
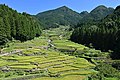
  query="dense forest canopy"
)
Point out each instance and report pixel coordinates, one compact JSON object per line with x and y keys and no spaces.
{"x":16,"y":25}
{"x":103,"y":35}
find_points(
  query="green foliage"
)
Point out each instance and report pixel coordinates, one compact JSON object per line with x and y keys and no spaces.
{"x":3,"y":39}
{"x":65,"y":16}
{"x":97,"y":14}
{"x":103,"y":35}
{"x":59,"y":16}
{"x":16,"y":25}
{"x":116,"y":64}
{"x":105,"y":71}
{"x":34,"y":59}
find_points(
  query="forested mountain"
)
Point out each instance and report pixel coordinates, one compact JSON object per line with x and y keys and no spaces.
{"x":66,"y":16}
{"x":16,"y":25}
{"x":104,"y":35}
{"x":62,"y":16}
{"x":96,"y":14}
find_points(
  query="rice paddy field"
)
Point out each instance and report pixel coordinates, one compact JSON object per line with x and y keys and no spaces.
{"x":49,"y":57}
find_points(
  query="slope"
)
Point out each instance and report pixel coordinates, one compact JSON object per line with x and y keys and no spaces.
{"x":104,"y":35}
{"x":98,"y":13}
{"x":16,"y":25}
{"x":59,"y":16}
{"x":42,"y":59}
{"x":66,"y":16}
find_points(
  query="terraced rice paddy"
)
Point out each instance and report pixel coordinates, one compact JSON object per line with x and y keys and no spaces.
{"x":70,"y":77}
{"x":55,"y":65}
{"x":38,"y":61}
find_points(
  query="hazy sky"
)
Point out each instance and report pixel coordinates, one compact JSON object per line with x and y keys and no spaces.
{"x":36,"y":6}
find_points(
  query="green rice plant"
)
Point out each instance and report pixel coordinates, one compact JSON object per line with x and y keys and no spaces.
{"x":23,"y":67}
{"x":70,"y":77}
{"x":78,"y":72}
{"x":62,"y":69}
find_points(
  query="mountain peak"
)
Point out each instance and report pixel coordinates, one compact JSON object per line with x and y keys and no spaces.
{"x":66,"y":16}
{"x":98,"y":13}
{"x":117,"y":8}
{"x":62,"y":16}
{"x":64,"y":8}
{"x":101,"y":9}
{"x":101,"y":6}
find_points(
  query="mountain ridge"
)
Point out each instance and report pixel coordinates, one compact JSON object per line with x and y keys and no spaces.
{"x":97,"y":13}
{"x":66,"y":16}
{"x":62,"y":16}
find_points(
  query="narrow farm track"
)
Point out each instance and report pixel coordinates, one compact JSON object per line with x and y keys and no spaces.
{"x":12,"y":52}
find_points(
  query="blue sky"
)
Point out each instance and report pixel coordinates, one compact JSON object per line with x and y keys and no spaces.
{"x":36,"y":6}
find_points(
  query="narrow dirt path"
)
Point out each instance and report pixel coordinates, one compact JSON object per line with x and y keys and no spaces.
{"x":12,"y":52}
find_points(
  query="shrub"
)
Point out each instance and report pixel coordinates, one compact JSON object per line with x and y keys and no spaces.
{"x":105,"y":70}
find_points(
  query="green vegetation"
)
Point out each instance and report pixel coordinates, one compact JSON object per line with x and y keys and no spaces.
{"x":16,"y":25}
{"x":29,"y":54}
{"x":96,"y":14}
{"x":66,"y":16}
{"x":106,"y":72}
{"x":71,"y":77}
{"x":102,"y":35}
{"x":60,"y":16}
{"x":38,"y":60}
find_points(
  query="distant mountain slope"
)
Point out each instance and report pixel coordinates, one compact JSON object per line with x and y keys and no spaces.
{"x":115,"y":16}
{"x":62,"y":16}
{"x":97,"y":14}
{"x":66,"y":16}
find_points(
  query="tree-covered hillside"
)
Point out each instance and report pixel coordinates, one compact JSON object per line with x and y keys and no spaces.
{"x":16,"y":25}
{"x":104,"y":35}
{"x":66,"y":16}
{"x":59,"y":16}
{"x":96,"y":14}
